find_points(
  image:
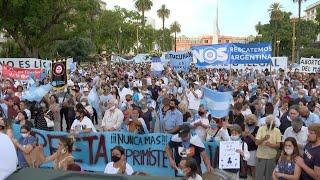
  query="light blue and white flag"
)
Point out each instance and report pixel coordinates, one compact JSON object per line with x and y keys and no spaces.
{"x":36,"y":93}
{"x":94,"y":101}
{"x":156,"y":66}
{"x":217,"y":103}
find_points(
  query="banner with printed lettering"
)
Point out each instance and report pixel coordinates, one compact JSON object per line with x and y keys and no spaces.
{"x":309,"y":65}
{"x":92,"y":151}
{"x":59,"y":74}
{"x":20,"y":73}
{"x":231,"y":53}
{"x":26,"y":63}
{"x":277,"y":63}
{"x":179,"y":61}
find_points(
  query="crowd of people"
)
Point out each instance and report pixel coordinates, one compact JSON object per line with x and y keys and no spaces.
{"x":275,"y":116}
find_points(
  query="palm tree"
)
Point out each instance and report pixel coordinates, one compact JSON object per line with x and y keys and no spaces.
{"x":299,"y":27}
{"x":276,"y":16}
{"x":258,"y":27}
{"x":163,"y":13}
{"x":143,"y":6}
{"x":175,"y":28}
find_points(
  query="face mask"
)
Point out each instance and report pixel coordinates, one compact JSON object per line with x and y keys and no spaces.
{"x":251,"y":124}
{"x":180,"y":172}
{"x":43,"y":105}
{"x":63,"y":151}
{"x":268,"y":126}
{"x":24,"y":135}
{"x":115,"y":159}
{"x":112,"y":108}
{"x":289,"y":151}
{"x":235,"y":138}
{"x":201,"y":113}
{"x":84,"y":103}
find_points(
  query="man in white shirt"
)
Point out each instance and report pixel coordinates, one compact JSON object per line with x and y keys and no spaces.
{"x":82,"y":123}
{"x":194,"y":97}
{"x":8,"y":159}
{"x":297,"y":131}
{"x":113,"y":117}
{"x":202,"y":124}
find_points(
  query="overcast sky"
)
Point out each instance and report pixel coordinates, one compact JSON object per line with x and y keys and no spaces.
{"x":236,"y":17}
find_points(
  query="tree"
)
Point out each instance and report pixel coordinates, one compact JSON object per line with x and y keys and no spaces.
{"x":276,"y":17}
{"x":258,"y":27}
{"x":10,"y":49}
{"x":175,"y":28}
{"x":143,"y":6}
{"x":78,"y":48}
{"x":163,"y":13}
{"x":36,"y":25}
{"x":299,"y":27}
{"x":318,"y":16}
{"x":167,"y":39}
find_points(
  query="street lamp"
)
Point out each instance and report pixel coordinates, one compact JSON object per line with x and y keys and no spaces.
{"x":278,"y":48}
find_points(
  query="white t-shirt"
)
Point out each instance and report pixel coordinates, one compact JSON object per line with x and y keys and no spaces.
{"x":85,"y":122}
{"x":201,"y":132}
{"x":8,"y":158}
{"x":198,"y":177}
{"x":112,"y":170}
{"x":194,"y":102}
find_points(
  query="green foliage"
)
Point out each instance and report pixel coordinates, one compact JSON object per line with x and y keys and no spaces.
{"x":36,"y":25}
{"x":78,"y":48}
{"x":10,"y":49}
{"x":309,"y":52}
{"x":282,"y":29}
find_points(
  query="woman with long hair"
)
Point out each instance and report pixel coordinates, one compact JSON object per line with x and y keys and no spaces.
{"x":286,"y":167}
{"x":62,"y":158}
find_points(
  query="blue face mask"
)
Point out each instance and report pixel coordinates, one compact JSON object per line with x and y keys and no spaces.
{"x":235,"y":138}
{"x":180,"y":172}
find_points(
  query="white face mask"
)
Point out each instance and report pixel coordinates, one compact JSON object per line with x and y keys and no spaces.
{"x":112,"y":108}
{"x":234,"y":138}
{"x":84,"y":103}
{"x":289,"y":151}
{"x":63,"y":151}
{"x":24,"y":135}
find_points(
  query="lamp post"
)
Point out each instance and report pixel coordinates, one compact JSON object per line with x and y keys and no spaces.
{"x":278,"y":47}
{"x":294,"y":21}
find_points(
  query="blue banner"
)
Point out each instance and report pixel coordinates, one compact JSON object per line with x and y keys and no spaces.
{"x":233,"y":53}
{"x":179,"y":61}
{"x":145,"y":153}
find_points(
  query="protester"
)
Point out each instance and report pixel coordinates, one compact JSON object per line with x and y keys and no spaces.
{"x":9,"y":159}
{"x":308,"y":117}
{"x":202,"y":124}
{"x":268,"y":141}
{"x":82,"y":123}
{"x":286,"y":167}
{"x":185,"y":145}
{"x":55,"y":109}
{"x":21,"y":119}
{"x":310,"y":163}
{"x":113,"y":117}
{"x":189,"y":169}
{"x":62,"y":158}
{"x":249,"y":137}
{"x":118,"y":164}
{"x":286,"y":119}
{"x":173,"y":118}
{"x":298,"y":132}
{"x":24,"y":145}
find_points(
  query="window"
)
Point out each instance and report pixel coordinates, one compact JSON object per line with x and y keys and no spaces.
{"x":227,"y":41}
{"x":206,"y":41}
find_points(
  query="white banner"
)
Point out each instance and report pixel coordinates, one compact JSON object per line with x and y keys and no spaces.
{"x":26,"y":63}
{"x":309,"y":65}
{"x":277,"y":64}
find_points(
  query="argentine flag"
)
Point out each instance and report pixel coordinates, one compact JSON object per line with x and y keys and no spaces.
{"x":217,"y":103}
{"x":156,"y":66}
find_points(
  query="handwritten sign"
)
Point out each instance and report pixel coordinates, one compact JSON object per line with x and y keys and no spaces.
{"x":228,"y":157}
